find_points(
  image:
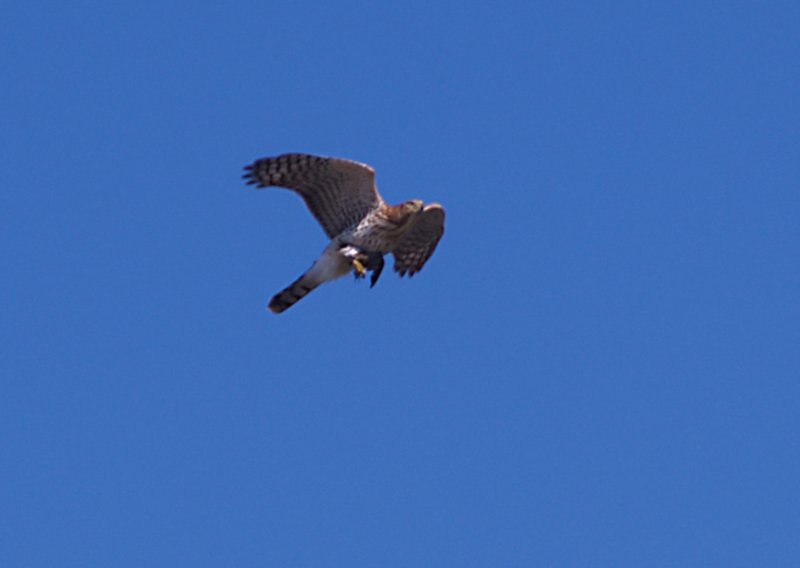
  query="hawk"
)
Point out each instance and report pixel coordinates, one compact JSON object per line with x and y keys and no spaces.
{"x":342,"y":197}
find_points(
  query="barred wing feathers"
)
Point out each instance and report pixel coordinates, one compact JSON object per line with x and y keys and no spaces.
{"x":417,"y":246}
{"x":339,"y":193}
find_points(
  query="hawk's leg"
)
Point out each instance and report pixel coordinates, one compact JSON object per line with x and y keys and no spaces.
{"x":362,"y":260}
{"x":361,"y":271}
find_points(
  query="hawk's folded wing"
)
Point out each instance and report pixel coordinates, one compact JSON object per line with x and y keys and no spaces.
{"x":417,"y":246}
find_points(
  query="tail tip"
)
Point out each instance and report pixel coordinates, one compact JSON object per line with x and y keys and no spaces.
{"x":276,"y":306}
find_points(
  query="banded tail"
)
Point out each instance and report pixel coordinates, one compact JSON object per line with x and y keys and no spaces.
{"x":290,"y":295}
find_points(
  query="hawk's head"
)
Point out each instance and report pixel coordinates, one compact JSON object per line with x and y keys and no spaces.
{"x":413,"y":206}
{"x":413,"y":212}
{"x":404,"y":216}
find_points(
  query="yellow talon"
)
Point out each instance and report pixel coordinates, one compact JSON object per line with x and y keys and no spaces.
{"x":360,"y":270}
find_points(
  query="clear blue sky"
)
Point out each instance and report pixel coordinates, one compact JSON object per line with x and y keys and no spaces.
{"x":599,"y":366}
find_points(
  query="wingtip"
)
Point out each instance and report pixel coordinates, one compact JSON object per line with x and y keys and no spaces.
{"x":435,"y":207}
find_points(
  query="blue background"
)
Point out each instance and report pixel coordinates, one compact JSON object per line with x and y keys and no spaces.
{"x":598,"y":367}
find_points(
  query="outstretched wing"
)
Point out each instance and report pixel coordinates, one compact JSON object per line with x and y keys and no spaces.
{"x":417,"y":246}
{"x":339,"y":193}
